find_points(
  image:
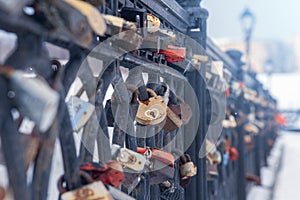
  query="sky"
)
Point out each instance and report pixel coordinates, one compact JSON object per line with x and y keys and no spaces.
{"x":275,"y":19}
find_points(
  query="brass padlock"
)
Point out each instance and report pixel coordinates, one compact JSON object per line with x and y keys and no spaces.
{"x":188,"y":170}
{"x":153,"y":111}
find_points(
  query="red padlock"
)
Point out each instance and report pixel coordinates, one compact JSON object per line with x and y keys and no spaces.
{"x":110,"y":173}
{"x":174,"y":54}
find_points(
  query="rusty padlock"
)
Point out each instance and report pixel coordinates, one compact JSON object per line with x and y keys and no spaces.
{"x":110,"y":173}
{"x":129,"y":158}
{"x":174,"y":53}
{"x":177,"y":115}
{"x":91,"y":191}
{"x":159,"y":163}
{"x":187,"y":168}
{"x":152,"y":111}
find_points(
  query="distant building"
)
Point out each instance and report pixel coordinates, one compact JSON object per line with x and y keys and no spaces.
{"x":268,"y":56}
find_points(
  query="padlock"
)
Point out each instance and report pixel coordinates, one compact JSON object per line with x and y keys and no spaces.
{"x":187,"y":170}
{"x":33,"y":96}
{"x":153,"y":111}
{"x":80,"y":112}
{"x":95,"y":19}
{"x":91,"y":191}
{"x":118,"y":195}
{"x":212,"y":172}
{"x":159,"y":163}
{"x":110,"y":173}
{"x":174,"y":53}
{"x":116,"y":25}
{"x":213,"y":155}
{"x":129,"y":158}
{"x":158,"y":40}
{"x":177,"y":115}
{"x":153,"y":23}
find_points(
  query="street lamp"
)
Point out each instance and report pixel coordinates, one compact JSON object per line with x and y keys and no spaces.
{"x":247,"y":19}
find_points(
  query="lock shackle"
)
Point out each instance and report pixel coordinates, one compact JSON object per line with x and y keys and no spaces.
{"x":62,"y":189}
{"x":151,"y":92}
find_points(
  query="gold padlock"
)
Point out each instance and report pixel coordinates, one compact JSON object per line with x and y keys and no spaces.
{"x":153,"y":111}
{"x":93,"y":191}
{"x":188,"y":170}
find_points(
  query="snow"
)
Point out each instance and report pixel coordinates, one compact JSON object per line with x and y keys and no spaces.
{"x":280,"y":180}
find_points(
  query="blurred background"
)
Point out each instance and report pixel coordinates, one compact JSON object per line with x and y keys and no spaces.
{"x":275,"y":43}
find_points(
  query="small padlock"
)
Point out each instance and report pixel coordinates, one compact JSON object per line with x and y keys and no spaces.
{"x":174,"y":53}
{"x":160,"y":164}
{"x":129,"y":158}
{"x":80,"y":112}
{"x":187,"y":169}
{"x":159,"y":40}
{"x":177,"y":115}
{"x":152,"y":111}
{"x":173,"y":121}
{"x":212,"y":172}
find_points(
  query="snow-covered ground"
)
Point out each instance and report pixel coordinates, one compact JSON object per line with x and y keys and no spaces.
{"x":280,"y":180}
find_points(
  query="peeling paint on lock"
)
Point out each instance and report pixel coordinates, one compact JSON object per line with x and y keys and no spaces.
{"x":93,"y":191}
{"x":129,"y":158}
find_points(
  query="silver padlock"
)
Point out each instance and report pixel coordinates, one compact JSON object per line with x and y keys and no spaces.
{"x":35,"y":98}
{"x":129,"y":158}
{"x":80,"y":112}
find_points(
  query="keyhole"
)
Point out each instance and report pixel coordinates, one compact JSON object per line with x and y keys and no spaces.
{"x":152,"y":114}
